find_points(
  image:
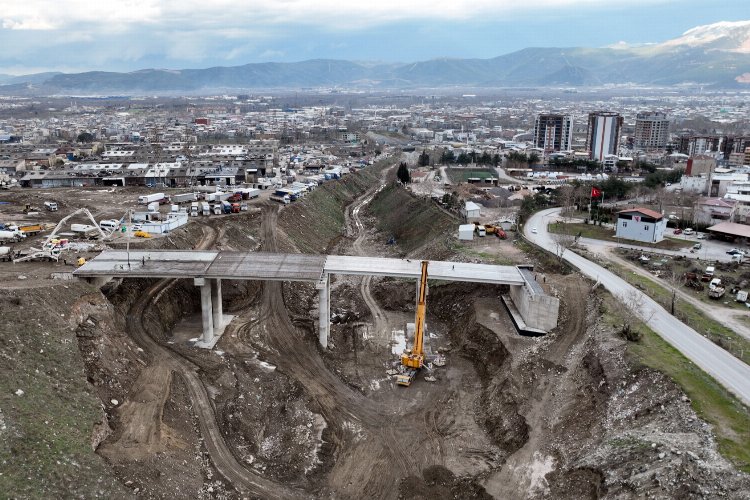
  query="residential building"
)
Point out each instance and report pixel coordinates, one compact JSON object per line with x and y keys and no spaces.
{"x":739,"y":192}
{"x":711,"y":211}
{"x":641,"y":224}
{"x":700,"y":164}
{"x":603,"y":134}
{"x":651,"y":130}
{"x":553,"y":132}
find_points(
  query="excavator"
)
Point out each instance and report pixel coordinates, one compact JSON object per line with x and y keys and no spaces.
{"x":413,"y":359}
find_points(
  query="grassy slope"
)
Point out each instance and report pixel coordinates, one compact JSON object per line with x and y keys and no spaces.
{"x":317,"y":220}
{"x":687,"y":313}
{"x":729,"y":417}
{"x":412,"y":221}
{"x":45,"y":434}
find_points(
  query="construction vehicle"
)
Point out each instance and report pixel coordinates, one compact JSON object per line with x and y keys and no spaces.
{"x":413,"y":359}
{"x":142,"y":234}
{"x":53,"y":247}
{"x":31,"y":229}
{"x":6,"y":253}
{"x":11,"y":234}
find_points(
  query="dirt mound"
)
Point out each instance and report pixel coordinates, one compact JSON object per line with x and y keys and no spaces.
{"x":412,"y":221}
{"x":49,"y":417}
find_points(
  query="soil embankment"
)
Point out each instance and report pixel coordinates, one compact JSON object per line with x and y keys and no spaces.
{"x":411,"y":221}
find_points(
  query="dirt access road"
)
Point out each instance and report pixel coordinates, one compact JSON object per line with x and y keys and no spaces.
{"x":383,"y":437}
{"x":141,"y":414}
{"x":354,"y":223}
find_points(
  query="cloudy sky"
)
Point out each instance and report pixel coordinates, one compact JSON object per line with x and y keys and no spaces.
{"x":124,"y":35}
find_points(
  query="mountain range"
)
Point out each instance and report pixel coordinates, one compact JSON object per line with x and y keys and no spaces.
{"x":715,"y":55}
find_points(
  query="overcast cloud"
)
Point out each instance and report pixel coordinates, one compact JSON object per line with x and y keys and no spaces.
{"x":81,"y":35}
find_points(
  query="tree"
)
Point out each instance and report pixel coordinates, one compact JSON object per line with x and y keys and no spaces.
{"x":447,"y":157}
{"x":496,"y":159}
{"x":85,"y":137}
{"x":563,"y":241}
{"x":635,"y":301}
{"x":533,"y":158}
{"x":424,"y":159}
{"x":403,"y":173}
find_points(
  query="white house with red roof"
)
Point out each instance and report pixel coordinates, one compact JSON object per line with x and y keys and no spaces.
{"x":641,"y":224}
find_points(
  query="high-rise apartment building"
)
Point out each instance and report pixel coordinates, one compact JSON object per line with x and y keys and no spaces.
{"x":651,"y":130}
{"x":603,"y":134}
{"x":553,"y":132}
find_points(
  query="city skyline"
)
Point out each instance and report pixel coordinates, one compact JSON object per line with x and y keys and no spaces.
{"x":126,"y":36}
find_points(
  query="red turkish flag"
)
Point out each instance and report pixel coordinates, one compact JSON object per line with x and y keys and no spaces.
{"x":595,"y":193}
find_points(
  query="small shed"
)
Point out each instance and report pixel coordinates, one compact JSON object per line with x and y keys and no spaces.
{"x":466,"y":232}
{"x":471,"y":210}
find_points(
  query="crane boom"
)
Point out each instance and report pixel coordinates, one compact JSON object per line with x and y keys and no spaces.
{"x":414,"y":358}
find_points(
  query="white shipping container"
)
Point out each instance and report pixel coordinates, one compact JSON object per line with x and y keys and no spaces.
{"x":148,"y":198}
{"x":466,"y":232}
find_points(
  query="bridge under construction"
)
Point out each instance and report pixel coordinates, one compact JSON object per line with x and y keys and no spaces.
{"x":532,"y":310}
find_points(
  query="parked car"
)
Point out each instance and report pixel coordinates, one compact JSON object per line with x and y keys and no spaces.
{"x":533,"y":230}
{"x":736,"y":251}
{"x":678,"y":231}
{"x":688,"y":231}
{"x":702,"y":236}
{"x":697,"y":246}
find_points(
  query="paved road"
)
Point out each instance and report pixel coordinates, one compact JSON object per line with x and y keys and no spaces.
{"x":729,"y":371}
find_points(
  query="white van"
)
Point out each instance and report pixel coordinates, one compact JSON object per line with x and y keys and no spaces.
{"x":109,"y":225}
{"x":51,"y":206}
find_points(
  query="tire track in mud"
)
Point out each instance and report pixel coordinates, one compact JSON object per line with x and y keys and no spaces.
{"x":371,"y":446}
{"x":244,"y":480}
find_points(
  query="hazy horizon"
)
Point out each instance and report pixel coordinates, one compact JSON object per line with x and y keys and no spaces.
{"x":75,"y":36}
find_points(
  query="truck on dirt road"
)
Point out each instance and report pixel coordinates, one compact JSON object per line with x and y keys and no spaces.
{"x":13,"y":235}
{"x":6,"y":254}
{"x":150,"y":198}
{"x":31,"y":228}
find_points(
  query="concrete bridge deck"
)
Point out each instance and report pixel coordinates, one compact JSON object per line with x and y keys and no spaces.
{"x":281,"y":266}
{"x":209,"y":267}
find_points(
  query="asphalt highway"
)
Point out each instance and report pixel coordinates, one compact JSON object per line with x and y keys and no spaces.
{"x":729,"y":371}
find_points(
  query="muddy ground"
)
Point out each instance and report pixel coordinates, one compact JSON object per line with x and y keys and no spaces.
{"x":562,"y":416}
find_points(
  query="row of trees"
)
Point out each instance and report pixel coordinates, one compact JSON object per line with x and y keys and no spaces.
{"x":448,"y":157}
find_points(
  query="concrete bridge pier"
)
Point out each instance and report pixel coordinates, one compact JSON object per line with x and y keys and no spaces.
{"x":218,"y":309}
{"x":207,"y":313}
{"x":324,"y":306}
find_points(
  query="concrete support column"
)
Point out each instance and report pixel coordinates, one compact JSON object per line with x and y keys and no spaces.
{"x":218,"y":309}
{"x":324,"y":305}
{"x":206,"y":309}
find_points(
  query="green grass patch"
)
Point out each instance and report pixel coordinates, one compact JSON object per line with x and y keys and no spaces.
{"x":457,"y":175}
{"x":714,"y":404}
{"x":607,"y":234}
{"x":720,"y":335}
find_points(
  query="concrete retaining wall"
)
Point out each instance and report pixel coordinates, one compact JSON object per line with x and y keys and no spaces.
{"x":537,"y":310}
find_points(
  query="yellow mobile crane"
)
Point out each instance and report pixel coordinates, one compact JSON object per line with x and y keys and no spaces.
{"x":412,"y":360}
